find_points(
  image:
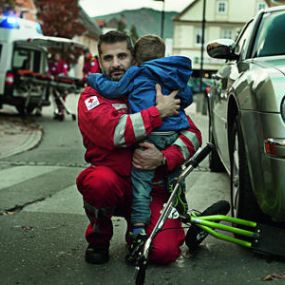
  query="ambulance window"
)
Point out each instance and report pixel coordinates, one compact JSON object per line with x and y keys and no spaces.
{"x":37,"y":61}
{"x":22,"y":59}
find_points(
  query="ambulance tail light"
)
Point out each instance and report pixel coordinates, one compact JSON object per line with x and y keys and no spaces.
{"x":9,"y":80}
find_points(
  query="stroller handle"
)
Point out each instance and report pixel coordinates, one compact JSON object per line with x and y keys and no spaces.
{"x":200,"y":155}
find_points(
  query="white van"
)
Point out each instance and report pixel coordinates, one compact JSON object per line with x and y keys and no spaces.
{"x":24,"y":78}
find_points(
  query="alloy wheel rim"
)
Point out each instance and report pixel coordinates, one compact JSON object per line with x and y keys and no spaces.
{"x":235,"y":175}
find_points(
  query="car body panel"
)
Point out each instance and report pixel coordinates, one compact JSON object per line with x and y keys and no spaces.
{"x":253,"y":88}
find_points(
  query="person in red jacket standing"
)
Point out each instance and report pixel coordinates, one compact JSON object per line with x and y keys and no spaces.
{"x":91,"y":65}
{"x":58,"y":67}
{"x":109,"y":133}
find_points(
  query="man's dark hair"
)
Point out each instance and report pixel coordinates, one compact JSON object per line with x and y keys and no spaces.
{"x":113,"y":37}
{"x":149,"y":47}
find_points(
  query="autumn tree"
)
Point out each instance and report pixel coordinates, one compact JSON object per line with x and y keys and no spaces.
{"x":7,"y":5}
{"x":59,"y":18}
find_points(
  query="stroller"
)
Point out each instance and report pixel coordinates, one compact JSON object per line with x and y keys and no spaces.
{"x":260,"y":238}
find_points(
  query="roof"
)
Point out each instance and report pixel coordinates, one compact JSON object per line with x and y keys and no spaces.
{"x":185,"y":10}
{"x":91,"y":27}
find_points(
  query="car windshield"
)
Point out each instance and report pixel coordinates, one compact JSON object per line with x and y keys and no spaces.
{"x":270,"y":37}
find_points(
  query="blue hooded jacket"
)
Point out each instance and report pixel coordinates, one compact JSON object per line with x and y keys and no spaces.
{"x":138,"y":83}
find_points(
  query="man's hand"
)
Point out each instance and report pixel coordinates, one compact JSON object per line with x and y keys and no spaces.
{"x":166,"y":105}
{"x":147,"y":157}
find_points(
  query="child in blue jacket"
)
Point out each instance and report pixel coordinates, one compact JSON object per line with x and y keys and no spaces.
{"x":138,"y":83}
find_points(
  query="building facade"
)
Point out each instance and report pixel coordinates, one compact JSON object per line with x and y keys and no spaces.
{"x":223,"y":19}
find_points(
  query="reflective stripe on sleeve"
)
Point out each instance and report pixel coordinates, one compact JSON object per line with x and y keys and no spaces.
{"x":192,"y":137}
{"x":183,"y":148}
{"x":138,"y":126}
{"x":119,"y":134}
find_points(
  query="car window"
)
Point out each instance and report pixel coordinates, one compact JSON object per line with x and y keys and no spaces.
{"x":243,"y":40}
{"x":270,"y":36}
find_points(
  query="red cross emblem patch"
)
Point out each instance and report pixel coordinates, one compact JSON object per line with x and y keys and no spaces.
{"x":91,"y":102}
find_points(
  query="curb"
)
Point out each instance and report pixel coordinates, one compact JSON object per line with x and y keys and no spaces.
{"x":33,"y":139}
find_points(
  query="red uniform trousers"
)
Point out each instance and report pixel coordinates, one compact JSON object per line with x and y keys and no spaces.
{"x":104,"y":189}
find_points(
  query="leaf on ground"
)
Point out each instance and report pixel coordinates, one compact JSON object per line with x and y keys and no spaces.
{"x":27,"y":228}
{"x":7,"y":213}
{"x":273,"y":276}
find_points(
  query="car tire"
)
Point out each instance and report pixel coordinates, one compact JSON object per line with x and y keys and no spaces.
{"x":243,"y":201}
{"x":215,"y":163}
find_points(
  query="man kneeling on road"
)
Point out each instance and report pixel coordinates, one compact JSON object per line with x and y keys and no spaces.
{"x":108,"y":133}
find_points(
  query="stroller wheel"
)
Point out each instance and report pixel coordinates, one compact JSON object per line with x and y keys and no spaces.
{"x":195,"y":235}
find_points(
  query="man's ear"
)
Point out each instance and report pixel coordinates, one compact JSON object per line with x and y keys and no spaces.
{"x":134,"y":61}
{"x":100,"y":64}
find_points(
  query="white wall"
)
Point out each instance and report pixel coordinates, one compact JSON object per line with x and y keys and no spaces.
{"x":189,"y":23}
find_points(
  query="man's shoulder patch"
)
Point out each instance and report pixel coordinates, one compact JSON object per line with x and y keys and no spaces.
{"x":91,"y":102}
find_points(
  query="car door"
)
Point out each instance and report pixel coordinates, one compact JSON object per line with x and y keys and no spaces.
{"x":220,"y":111}
{"x":225,"y":79}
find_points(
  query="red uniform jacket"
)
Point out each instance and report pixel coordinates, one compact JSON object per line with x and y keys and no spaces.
{"x":108,"y":132}
{"x":90,"y":66}
{"x":58,"y":68}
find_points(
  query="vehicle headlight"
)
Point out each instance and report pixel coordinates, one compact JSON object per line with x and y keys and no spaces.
{"x":283,"y":108}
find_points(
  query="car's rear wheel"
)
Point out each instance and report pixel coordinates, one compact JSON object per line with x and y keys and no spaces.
{"x":243,"y":201}
{"x":215,"y":163}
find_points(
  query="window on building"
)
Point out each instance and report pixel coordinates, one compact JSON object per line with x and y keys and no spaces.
{"x":260,"y":6}
{"x":196,"y":60}
{"x":227,"y":33}
{"x":198,"y":36}
{"x":222,"y":7}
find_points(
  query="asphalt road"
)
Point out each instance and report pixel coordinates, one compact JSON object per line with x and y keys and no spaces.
{"x":42,"y":223}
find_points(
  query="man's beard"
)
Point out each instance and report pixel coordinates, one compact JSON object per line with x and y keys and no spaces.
{"x":116,"y":74}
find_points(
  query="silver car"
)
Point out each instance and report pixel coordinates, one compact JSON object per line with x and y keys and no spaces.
{"x":247,"y":116}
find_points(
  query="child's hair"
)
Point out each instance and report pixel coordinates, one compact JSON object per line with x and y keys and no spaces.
{"x":149,"y":47}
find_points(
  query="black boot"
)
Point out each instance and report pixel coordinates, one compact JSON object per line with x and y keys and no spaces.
{"x":97,"y":255}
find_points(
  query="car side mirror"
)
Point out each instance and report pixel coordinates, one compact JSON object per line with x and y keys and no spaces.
{"x":222,"y":49}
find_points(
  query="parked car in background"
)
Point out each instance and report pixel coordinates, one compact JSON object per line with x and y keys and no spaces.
{"x":247,"y":116}
{"x":198,"y":87}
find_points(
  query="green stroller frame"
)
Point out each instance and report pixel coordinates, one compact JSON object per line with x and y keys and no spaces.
{"x":260,"y":238}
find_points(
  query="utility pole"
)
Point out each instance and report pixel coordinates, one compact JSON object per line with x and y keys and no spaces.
{"x":202,"y":44}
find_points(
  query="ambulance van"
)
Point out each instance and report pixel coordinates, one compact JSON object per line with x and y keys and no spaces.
{"x":24,"y":78}
{"x":18,"y":59}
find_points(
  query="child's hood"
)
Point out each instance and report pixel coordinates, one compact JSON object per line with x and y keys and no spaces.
{"x":172,"y":71}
